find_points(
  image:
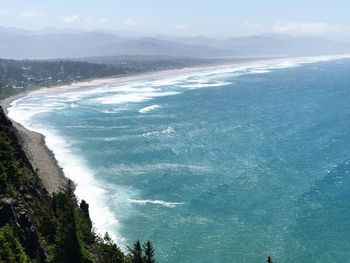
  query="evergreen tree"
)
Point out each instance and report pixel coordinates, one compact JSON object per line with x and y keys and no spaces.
{"x":108,"y":252}
{"x":67,"y":242}
{"x":11,"y":250}
{"x":148,"y":249}
{"x":136,"y":253}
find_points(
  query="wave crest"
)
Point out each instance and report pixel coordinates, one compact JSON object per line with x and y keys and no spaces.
{"x":149,"y":108}
{"x":155,"y":202}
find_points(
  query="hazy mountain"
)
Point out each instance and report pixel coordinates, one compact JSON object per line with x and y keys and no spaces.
{"x":57,"y":43}
{"x":271,"y":45}
{"x":75,"y":45}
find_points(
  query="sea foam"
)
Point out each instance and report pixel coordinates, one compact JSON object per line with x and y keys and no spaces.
{"x":135,"y":93}
{"x":155,"y":202}
{"x":87,"y":188}
{"x":74,"y":168}
{"x":149,"y":108}
{"x":206,"y":84}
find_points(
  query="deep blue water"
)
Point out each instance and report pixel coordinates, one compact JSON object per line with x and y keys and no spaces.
{"x":225,"y":167}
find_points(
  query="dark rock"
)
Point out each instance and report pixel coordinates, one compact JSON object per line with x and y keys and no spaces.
{"x":8,"y":208}
{"x":10,"y":213}
{"x":30,"y":240}
{"x":84,"y":207}
{"x":22,"y":190}
{"x":3,"y":118}
{"x":24,"y":219}
{"x":29,"y":236}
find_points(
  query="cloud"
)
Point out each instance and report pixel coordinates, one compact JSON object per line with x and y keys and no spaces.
{"x":181,"y":27}
{"x":132,"y":22}
{"x":302,"y":28}
{"x":256,"y":28}
{"x":297,"y":28}
{"x":69,"y":18}
{"x":102,"y":20}
{"x":31,"y":14}
{"x":3,"y":12}
{"x":96,"y":21}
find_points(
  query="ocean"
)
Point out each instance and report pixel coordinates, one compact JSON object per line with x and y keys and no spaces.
{"x":228,"y":165}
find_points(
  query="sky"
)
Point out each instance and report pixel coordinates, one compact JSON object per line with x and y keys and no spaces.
{"x":221,"y":18}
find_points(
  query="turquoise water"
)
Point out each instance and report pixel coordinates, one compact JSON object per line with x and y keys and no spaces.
{"x":225,"y":166}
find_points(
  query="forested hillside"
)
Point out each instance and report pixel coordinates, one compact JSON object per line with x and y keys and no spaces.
{"x":19,"y":75}
{"x":22,"y":75}
{"x":38,"y":227}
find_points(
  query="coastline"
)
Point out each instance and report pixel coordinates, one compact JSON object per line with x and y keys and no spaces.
{"x":169,"y":73}
{"x":46,"y":161}
{"x":34,"y":144}
{"x":43,"y":159}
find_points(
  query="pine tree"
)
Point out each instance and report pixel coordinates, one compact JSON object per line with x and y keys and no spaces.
{"x":108,"y":252}
{"x":67,"y":243}
{"x":148,"y":249}
{"x":136,"y":253}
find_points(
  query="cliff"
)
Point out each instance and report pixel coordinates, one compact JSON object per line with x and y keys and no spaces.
{"x":37,"y":226}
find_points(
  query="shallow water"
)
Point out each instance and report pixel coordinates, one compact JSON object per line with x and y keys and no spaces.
{"x":215,"y":166}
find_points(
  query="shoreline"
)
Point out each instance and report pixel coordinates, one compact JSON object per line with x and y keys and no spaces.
{"x":40,"y":156}
{"x":169,"y":73}
{"x":46,"y":160}
{"x":43,"y":159}
{"x":34,"y":144}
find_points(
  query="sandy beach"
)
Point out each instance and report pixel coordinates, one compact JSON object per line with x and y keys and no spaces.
{"x":43,"y":158}
{"x":162,"y":74}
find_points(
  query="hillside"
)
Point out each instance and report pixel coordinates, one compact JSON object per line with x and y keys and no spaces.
{"x":19,"y":75}
{"x":38,"y":227}
{"x":35,"y":226}
{"x":22,"y":75}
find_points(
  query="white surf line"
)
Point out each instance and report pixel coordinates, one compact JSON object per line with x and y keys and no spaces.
{"x":76,"y":169}
{"x":149,"y":108}
{"x":155,"y":202}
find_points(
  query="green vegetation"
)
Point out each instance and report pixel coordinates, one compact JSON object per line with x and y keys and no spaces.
{"x":19,"y":75}
{"x":37,"y":227}
{"x":142,"y":254}
{"x":11,"y":250}
{"x":23,"y":75}
{"x":136,"y":253}
{"x":149,"y":252}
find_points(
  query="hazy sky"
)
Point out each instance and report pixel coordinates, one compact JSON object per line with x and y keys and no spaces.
{"x":184,"y":17}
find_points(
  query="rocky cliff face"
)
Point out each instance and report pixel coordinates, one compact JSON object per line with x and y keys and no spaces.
{"x":36,"y":226}
{"x":21,"y":222}
{"x":17,"y":192}
{"x":4,"y":121}
{"x":7,"y":127}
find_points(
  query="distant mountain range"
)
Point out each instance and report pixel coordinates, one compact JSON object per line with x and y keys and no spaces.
{"x":54,"y":43}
